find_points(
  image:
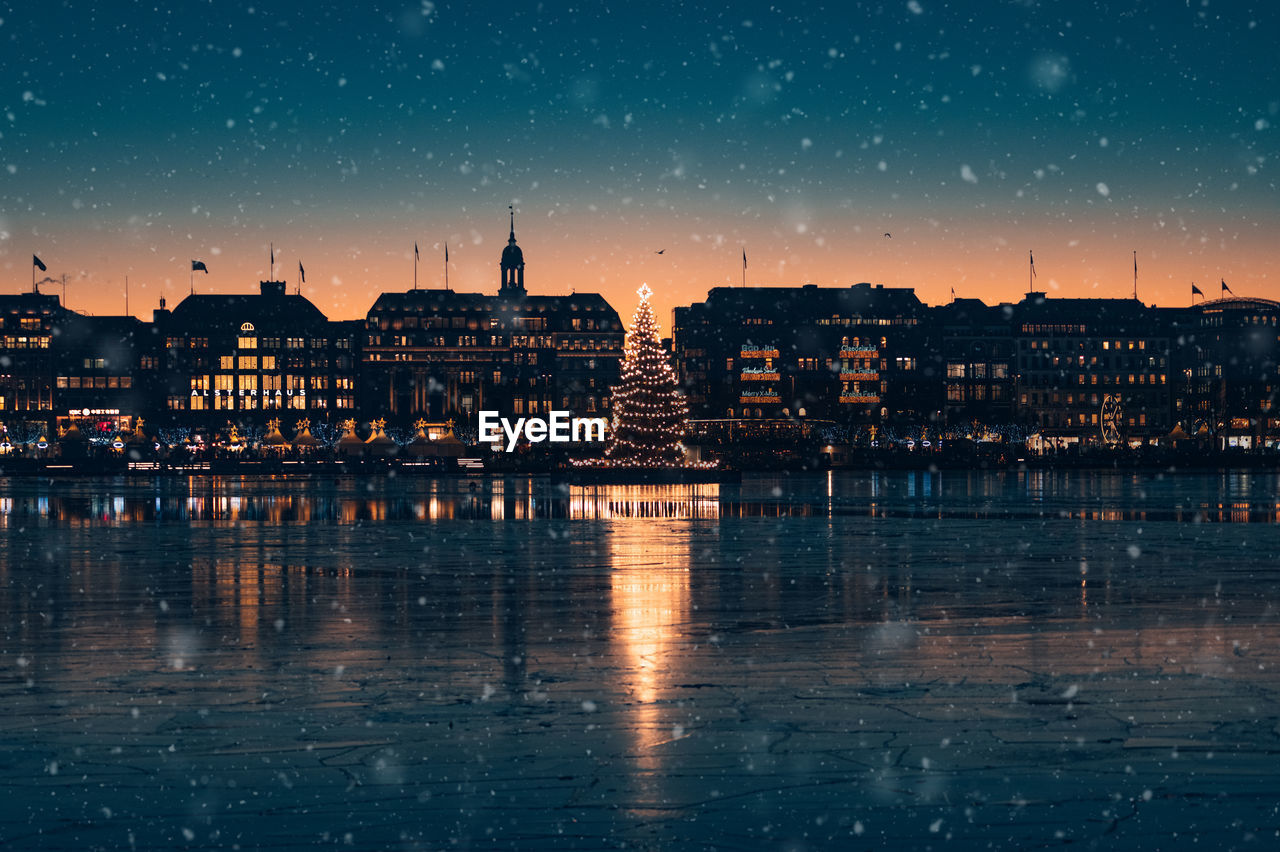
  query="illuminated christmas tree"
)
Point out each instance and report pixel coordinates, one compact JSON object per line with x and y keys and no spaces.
{"x":649,"y":414}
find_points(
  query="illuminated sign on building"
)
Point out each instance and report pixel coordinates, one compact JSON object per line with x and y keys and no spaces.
{"x":249,"y":392}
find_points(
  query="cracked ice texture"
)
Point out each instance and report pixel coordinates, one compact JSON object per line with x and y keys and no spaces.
{"x":1018,"y":659}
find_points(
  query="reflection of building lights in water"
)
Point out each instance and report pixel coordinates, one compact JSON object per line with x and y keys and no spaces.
{"x":876,"y":495}
{"x":250,"y":582}
{"x":1084,"y":587}
{"x":648,"y":605}
{"x":650,"y":594}
{"x":645,"y":501}
{"x":497,"y":499}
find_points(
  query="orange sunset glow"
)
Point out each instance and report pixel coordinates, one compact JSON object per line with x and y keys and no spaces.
{"x":612,"y":253}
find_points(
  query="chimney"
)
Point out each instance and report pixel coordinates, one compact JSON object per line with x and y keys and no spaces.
{"x":272,"y":288}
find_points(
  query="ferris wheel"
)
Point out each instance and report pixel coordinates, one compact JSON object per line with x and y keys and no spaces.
{"x":1112,"y":418}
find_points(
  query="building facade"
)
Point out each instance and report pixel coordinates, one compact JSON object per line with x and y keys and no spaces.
{"x":1086,"y":367}
{"x":978,"y":364}
{"x":853,"y":355}
{"x":99,"y":384}
{"x":246,"y":359}
{"x":1229,"y":369}
{"x":58,"y":367}
{"x":29,"y":323}
{"x":1071,"y":371}
{"x":438,"y":354}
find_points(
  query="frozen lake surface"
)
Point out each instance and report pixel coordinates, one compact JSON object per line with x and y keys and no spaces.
{"x":910,"y":660}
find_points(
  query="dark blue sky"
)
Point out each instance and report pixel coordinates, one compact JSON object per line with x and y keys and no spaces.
{"x":799,"y":133}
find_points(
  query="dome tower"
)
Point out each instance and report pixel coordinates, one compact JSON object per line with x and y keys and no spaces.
{"x":512,"y":265}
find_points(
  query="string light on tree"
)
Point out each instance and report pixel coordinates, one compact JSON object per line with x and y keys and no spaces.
{"x":650,"y":413}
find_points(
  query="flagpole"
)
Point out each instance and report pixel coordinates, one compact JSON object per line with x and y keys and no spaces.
{"x":1135,"y":276}
{"x":273,"y":261}
{"x":446,"y":265}
{"x":126,"y":295}
{"x":415,"y":266}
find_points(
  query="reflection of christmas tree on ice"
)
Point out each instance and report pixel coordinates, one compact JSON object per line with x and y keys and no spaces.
{"x":649,"y":413}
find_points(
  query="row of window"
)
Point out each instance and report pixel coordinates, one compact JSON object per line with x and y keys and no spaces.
{"x":517,"y":341}
{"x":250,"y":381}
{"x":26,"y":342}
{"x":1052,"y":328}
{"x":1057,"y":398}
{"x":1252,"y":319}
{"x":1112,"y":362}
{"x":395,"y":323}
{"x":250,"y":362}
{"x":250,"y":342}
{"x":976,"y":393}
{"x":535,"y":405}
{"x":857,"y":320}
{"x":1067,"y":420}
{"x":383,"y":323}
{"x":1043,"y":381}
{"x":74,"y":382}
{"x":235,"y":402}
{"x":978,"y":371}
{"x":487,"y":308}
{"x":844,"y":365}
{"x":1096,"y":345}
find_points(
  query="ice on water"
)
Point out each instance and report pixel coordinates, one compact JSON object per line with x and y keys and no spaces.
{"x":977,"y":659}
